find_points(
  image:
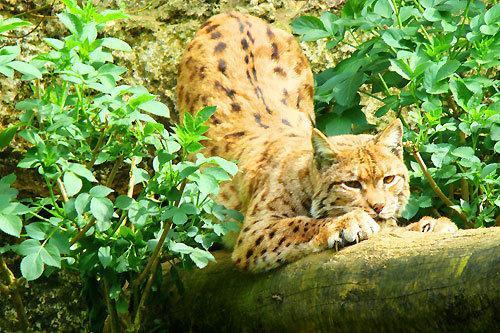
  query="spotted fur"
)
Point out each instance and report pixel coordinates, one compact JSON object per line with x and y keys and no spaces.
{"x":300,"y":191}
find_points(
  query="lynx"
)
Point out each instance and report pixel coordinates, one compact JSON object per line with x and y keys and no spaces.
{"x":300,"y":191}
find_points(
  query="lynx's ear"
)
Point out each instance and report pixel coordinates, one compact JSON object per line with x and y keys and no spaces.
{"x":324,"y":156}
{"x":392,"y":138}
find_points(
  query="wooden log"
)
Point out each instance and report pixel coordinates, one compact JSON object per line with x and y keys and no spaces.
{"x":399,"y":281}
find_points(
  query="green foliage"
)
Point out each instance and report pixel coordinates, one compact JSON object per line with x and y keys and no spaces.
{"x":434,"y":64}
{"x":81,"y":120}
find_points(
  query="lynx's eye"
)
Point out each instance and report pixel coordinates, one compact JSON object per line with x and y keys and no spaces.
{"x":389,"y":179}
{"x":353,"y":184}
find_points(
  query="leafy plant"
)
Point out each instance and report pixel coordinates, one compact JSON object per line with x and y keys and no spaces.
{"x":9,"y":64}
{"x":84,"y":128}
{"x":433,"y":64}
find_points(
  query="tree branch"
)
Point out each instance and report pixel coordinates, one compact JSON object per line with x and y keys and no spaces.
{"x":11,"y":289}
{"x":433,"y":184}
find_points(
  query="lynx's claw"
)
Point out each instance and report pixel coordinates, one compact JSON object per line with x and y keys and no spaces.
{"x":353,"y":227}
{"x":429,"y":224}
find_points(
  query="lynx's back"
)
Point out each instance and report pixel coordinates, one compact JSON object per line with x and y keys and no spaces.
{"x":256,"y":76}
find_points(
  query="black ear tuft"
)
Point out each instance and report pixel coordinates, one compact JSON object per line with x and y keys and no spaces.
{"x":324,"y":156}
{"x":392,"y":138}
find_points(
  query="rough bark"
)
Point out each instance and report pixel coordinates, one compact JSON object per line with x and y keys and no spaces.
{"x":396,"y":282}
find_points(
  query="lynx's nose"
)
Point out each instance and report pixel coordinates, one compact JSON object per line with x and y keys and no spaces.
{"x":378,"y":207}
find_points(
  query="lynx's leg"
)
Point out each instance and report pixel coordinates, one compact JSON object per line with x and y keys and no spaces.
{"x":267,"y":243}
{"x":430,"y":224}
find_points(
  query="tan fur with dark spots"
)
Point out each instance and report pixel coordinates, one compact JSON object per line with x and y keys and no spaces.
{"x":295,"y":195}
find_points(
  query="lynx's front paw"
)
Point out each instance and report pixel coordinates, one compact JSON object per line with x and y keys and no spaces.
{"x":430,"y":224}
{"x":349,"y":228}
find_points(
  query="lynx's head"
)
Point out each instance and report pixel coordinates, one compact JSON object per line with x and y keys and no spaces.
{"x":360,"y":171}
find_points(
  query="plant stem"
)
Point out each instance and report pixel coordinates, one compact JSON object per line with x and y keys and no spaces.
{"x":372,"y":96}
{"x":147,"y":289}
{"x":464,"y":184}
{"x":11,"y":290}
{"x":384,"y":84}
{"x":114,"y":324}
{"x":158,"y":247}
{"x":151,"y":267}
{"x":82,"y":232}
{"x":131,"y":182}
{"x":395,"y":9}
{"x":434,"y":186}
{"x":97,"y":148}
{"x":154,"y":255}
{"x":62,"y":189}
{"x":52,"y":196}
{"x":114,"y":170}
{"x":419,"y":6}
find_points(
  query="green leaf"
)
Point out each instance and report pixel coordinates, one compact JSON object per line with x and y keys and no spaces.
{"x":7,"y":135}
{"x":101,"y":208}
{"x":201,"y":257}
{"x":495,"y":132}
{"x":140,"y":175}
{"x":432,"y":15}
{"x":311,"y":28}
{"x":54,"y":43}
{"x":463,"y":152}
{"x":116,"y":44}
{"x":15,"y":208}
{"x":343,"y":87}
{"x":32,"y":267}
{"x":329,"y":22}
{"x":8,"y":72}
{"x":89,"y":32}
{"x":29,"y":246}
{"x":180,"y":248}
{"x":156,"y":108}
{"x":104,"y":255}
{"x":337,"y":125}
{"x":411,"y":209}
{"x":11,"y":224}
{"x":383,"y":8}
{"x":207,"y":184}
{"x":188,"y":208}
{"x":492,"y":16}
{"x":228,"y":166}
{"x":12,"y":24}
{"x":36,"y":230}
{"x":25,"y":68}
{"x":447,"y":69}
{"x":124,"y":202}
{"x":100,"y":191}
{"x":71,"y":22}
{"x":72,"y":183}
{"x":488,"y":169}
{"x":110,"y":15}
{"x":82,"y":171}
{"x":50,"y":255}
{"x":179,"y":218}
{"x":81,"y":203}
{"x":8,"y":180}
{"x":400,"y":67}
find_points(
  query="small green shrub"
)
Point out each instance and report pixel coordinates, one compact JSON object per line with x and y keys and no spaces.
{"x":84,"y":128}
{"x":433,"y":64}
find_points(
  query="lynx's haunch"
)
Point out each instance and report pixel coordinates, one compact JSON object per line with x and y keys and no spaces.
{"x":300,"y":191}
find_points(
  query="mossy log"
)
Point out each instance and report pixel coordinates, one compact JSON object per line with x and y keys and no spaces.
{"x":397,"y":282}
